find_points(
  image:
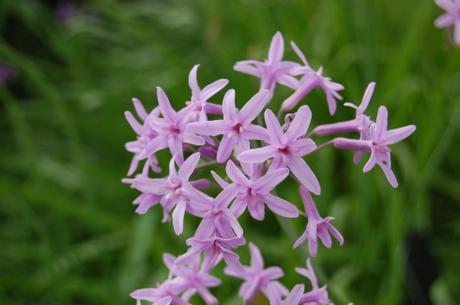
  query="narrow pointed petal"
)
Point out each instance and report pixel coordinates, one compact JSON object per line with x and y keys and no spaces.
{"x":178,"y":217}
{"x":303,"y":172}
{"x":208,"y":128}
{"x":270,"y":180}
{"x":165,"y":106}
{"x":280,"y":206}
{"x":187,"y":168}
{"x":352,"y":144}
{"x":299,"y":53}
{"x":275,"y":54}
{"x":193,"y":82}
{"x":254,"y":106}
{"x":389,"y":174}
{"x":395,"y":135}
{"x":226,"y":147}
{"x":257,"y":155}
{"x":366,"y":98}
{"x":299,"y":125}
{"x":211,"y":89}
{"x":381,"y":123}
{"x":247,"y":69}
{"x":134,"y":123}
{"x":275,"y":132}
{"x":295,"y":295}
{"x":140,"y":110}
{"x":235,"y":174}
{"x":370,"y":163}
{"x":257,"y":260}
{"x":176,"y":148}
{"x":229,"y":109}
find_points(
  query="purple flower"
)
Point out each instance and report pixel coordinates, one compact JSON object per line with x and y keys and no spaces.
{"x":164,"y":294}
{"x":361,"y":123}
{"x":172,"y":129}
{"x":170,"y":191}
{"x":287,"y":149}
{"x":145,"y":134}
{"x":254,"y":193}
{"x":273,"y":70}
{"x":192,"y":279}
{"x":257,"y":279}
{"x":316,"y":296}
{"x":236,"y":125}
{"x":311,"y":79}
{"x":317,"y":226}
{"x":378,"y":143}
{"x":451,"y":18}
{"x":199,"y":100}
{"x":293,"y":298}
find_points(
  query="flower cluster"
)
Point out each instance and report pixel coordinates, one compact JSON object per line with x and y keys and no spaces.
{"x":257,"y":151}
{"x":451,"y":17}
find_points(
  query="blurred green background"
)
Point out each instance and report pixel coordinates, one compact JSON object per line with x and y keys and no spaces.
{"x":68,"y":232}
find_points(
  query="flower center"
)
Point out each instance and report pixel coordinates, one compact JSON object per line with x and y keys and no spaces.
{"x":237,"y":128}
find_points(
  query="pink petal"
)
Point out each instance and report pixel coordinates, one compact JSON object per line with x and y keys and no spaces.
{"x":208,"y":128}
{"x":226,"y":147}
{"x":395,"y":135}
{"x":352,"y":144}
{"x":298,"y":127}
{"x":192,"y":81}
{"x":211,"y":89}
{"x":270,"y":180}
{"x":382,"y":122}
{"x":295,"y":295}
{"x":256,"y":209}
{"x":275,"y":132}
{"x":366,"y":98}
{"x":235,"y":174}
{"x":187,"y":168}
{"x":299,"y":53}
{"x":229,"y":109}
{"x":247,"y":69}
{"x":140,"y":110}
{"x":257,"y":155}
{"x":257,"y":260}
{"x":280,"y":206}
{"x":176,"y":148}
{"x":254,"y":106}
{"x":134,"y":123}
{"x":389,"y":174}
{"x":275,"y":54}
{"x":444,"y":21}
{"x":222,"y":183}
{"x":165,"y":106}
{"x":370,"y":163}
{"x":303,"y":172}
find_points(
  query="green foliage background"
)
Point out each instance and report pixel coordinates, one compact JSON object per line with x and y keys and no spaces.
{"x":68,"y":233}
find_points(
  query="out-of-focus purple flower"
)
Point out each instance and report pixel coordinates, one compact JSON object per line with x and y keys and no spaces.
{"x":273,"y":70}
{"x":254,"y":193}
{"x":293,"y":298}
{"x":65,"y":10}
{"x":236,"y":126}
{"x":172,"y":129}
{"x":164,"y":294}
{"x":361,"y":123}
{"x":287,"y":149}
{"x":7,"y":73}
{"x":170,"y":191}
{"x":317,"y":295}
{"x":317,"y":226}
{"x":378,"y":143}
{"x":311,"y":79}
{"x":257,"y":279}
{"x":451,"y":17}
{"x":145,"y":134}
{"x":192,"y":279}
{"x":199,"y":100}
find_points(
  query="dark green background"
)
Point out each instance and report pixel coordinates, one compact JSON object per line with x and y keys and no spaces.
{"x":68,"y":232}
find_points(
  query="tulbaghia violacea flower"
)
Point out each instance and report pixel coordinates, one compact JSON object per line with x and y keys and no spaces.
{"x":256,"y":277}
{"x":317,"y":227}
{"x":273,"y":70}
{"x":451,"y":17}
{"x":378,"y":143}
{"x":164,"y":294}
{"x":311,"y":79}
{"x":287,"y":149}
{"x":145,"y":134}
{"x":199,"y":100}
{"x":172,"y":129}
{"x":192,"y":279}
{"x":170,"y":191}
{"x":254,"y":193}
{"x":294,"y":297}
{"x":236,"y":126}
{"x":317,"y":295}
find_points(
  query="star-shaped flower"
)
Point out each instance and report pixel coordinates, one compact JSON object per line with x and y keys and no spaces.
{"x":164,"y":294}
{"x":451,"y":17}
{"x":236,"y":126}
{"x":170,"y":191}
{"x":316,"y":296}
{"x":273,"y":70}
{"x":287,"y":149}
{"x":199,"y":100}
{"x":172,"y":129}
{"x":317,"y":226}
{"x":294,"y":297}
{"x":311,"y":79}
{"x":254,"y":193}
{"x":257,"y":279}
{"x":377,"y":144}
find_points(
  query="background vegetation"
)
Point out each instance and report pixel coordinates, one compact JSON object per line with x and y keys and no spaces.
{"x":68,"y":233}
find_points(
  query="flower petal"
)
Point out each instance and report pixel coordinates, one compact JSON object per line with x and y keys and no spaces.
{"x":395,"y":135}
{"x":257,"y":155}
{"x":298,"y":127}
{"x":303,"y":172}
{"x":254,"y":106}
{"x":214,"y":87}
{"x":280,"y":206}
{"x":187,"y":168}
{"x":178,"y":216}
{"x":275,"y":132}
{"x":165,"y":106}
{"x":275,"y":54}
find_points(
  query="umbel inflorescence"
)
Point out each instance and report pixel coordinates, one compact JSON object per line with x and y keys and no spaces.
{"x":257,"y":154}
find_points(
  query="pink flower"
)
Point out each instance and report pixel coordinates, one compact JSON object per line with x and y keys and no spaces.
{"x":378,"y":143}
{"x":164,"y":294}
{"x":145,"y":134}
{"x":199,"y":100}
{"x":236,"y":126}
{"x":254,"y":193}
{"x":172,"y":129}
{"x":293,"y":298}
{"x":311,"y":79}
{"x":257,"y":279}
{"x":287,"y":149}
{"x":316,"y":296}
{"x":273,"y":70}
{"x":317,"y":226}
{"x":451,"y":18}
{"x":170,"y":191}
